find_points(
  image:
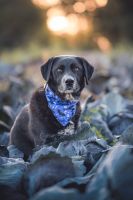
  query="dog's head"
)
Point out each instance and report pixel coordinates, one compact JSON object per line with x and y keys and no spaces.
{"x":67,"y":75}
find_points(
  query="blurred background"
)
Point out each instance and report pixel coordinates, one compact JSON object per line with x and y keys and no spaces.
{"x":65,"y":24}
{"x":31,"y":31}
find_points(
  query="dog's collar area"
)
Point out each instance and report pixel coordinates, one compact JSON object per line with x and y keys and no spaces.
{"x":63,"y":110}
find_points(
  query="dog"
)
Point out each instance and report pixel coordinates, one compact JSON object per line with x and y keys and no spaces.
{"x":55,"y":108}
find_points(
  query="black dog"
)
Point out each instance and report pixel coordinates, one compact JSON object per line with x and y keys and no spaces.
{"x":54,"y":109}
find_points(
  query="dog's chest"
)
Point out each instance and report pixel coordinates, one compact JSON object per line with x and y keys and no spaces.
{"x":69,"y":130}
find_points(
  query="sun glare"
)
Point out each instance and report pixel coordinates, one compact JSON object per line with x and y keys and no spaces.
{"x":70,"y":24}
{"x":61,"y":23}
{"x":57,"y":23}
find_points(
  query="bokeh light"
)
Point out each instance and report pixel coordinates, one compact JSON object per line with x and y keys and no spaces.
{"x":101,"y":3}
{"x":103,"y":43}
{"x":90,"y":5}
{"x":69,"y":24}
{"x":45,"y":3}
{"x":55,"y":11}
{"x":57,"y":24}
{"x":79,"y":7}
{"x":60,"y":22}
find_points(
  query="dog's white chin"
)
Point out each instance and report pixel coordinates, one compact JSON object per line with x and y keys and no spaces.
{"x":64,"y":91}
{"x":68,"y":91}
{"x":69,"y":96}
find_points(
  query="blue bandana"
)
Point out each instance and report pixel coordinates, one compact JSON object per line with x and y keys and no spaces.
{"x":63,"y":110}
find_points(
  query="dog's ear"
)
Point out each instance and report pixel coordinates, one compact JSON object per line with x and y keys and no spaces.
{"x":46,"y":69}
{"x":88,"y":69}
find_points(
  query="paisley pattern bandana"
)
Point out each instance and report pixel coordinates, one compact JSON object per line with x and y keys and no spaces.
{"x":63,"y":110}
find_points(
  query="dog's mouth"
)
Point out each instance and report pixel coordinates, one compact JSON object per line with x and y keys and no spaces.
{"x":69,"y":91}
{"x":68,"y":94}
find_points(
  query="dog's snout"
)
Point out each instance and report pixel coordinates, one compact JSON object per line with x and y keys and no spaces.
{"x":69,"y":82}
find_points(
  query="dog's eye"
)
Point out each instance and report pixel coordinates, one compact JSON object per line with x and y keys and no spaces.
{"x":76,"y":68}
{"x":60,"y":69}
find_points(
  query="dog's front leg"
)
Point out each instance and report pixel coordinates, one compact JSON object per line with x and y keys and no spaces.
{"x":36,"y":136}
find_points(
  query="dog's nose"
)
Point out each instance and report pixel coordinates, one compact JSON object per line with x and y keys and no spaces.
{"x":69,"y":82}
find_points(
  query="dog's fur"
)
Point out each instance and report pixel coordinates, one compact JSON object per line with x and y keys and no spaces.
{"x":36,"y":121}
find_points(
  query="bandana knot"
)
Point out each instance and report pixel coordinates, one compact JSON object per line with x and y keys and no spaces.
{"x":63,"y":110}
